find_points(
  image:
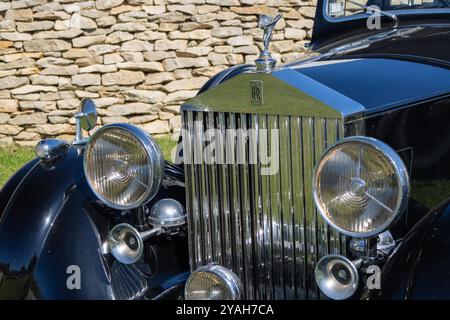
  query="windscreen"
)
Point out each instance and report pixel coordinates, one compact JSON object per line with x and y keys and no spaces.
{"x":346,"y":8}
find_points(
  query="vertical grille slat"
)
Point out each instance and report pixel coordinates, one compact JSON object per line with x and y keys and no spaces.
{"x":235,"y":200}
{"x":213,"y":190}
{"x":287,"y":208}
{"x":244,"y":178}
{"x":331,"y":136}
{"x":257,"y":212}
{"x":310,"y":215}
{"x":277,"y":219}
{"x":191,"y":171}
{"x":322,"y":227}
{"x":225,"y":212}
{"x":263,"y":227}
{"x":267,"y":216}
{"x":319,"y":146}
{"x":298,"y":207}
{"x":202,"y":186}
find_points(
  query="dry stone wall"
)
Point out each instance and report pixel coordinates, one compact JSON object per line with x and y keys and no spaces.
{"x":138,"y":59}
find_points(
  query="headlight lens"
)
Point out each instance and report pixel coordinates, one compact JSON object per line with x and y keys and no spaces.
{"x":360,"y":186}
{"x":123,"y":166}
{"x":213,"y":282}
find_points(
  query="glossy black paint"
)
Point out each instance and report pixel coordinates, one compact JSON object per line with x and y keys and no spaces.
{"x":53,"y":221}
{"x":420,"y":133}
{"x":372,"y":83}
{"x":422,"y":43}
{"x":12,"y":183}
{"x":331,"y":32}
{"x":419,"y":269}
{"x":225,"y":75}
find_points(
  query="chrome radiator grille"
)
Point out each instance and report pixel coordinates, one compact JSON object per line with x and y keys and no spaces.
{"x":263,"y":227}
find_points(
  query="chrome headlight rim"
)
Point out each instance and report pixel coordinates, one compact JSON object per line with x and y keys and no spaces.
{"x":153,"y":153}
{"x":230,"y":279}
{"x":401,"y":176}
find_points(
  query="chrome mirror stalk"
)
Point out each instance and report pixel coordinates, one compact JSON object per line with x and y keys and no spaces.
{"x":85,"y":120}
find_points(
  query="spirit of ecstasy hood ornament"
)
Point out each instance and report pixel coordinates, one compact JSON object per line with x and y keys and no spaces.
{"x":265,"y":62}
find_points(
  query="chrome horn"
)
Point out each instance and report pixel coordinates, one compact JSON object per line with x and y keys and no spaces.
{"x":126,"y":244}
{"x":337,"y":276}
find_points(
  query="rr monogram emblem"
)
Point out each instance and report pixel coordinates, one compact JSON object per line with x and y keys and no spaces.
{"x":256,"y":90}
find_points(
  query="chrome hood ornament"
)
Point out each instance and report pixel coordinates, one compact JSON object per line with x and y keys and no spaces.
{"x":265,"y":62}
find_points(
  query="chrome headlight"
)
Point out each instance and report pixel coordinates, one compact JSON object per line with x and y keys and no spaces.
{"x":123,"y":166}
{"x":360,"y":186}
{"x":213,"y":282}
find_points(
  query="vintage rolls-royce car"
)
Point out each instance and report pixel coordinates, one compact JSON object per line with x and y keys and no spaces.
{"x":324,"y":178}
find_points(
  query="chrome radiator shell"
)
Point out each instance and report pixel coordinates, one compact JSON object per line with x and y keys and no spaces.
{"x":265,"y":228}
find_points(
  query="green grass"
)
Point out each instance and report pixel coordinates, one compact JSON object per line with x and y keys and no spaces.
{"x":11,"y":159}
{"x":14,"y":157}
{"x":430,"y":193}
{"x":166,"y":144}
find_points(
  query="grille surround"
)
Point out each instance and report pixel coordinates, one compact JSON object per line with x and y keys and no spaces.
{"x":259,"y":226}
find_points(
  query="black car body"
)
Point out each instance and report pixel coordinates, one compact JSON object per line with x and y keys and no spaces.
{"x":391,"y":84}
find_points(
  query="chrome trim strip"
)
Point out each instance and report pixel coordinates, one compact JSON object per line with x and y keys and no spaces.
{"x":332,"y":132}
{"x":275,"y":209}
{"x":321,"y":226}
{"x":267,"y":225}
{"x":287,"y":207}
{"x":256,"y":205}
{"x":191,"y":208}
{"x":310,"y":217}
{"x":236,"y":214}
{"x":208,"y":253}
{"x":343,"y":104}
{"x":242,"y":147}
{"x":298,"y":207}
{"x":213,"y":193}
{"x":224,"y":195}
{"x":319,"y":146}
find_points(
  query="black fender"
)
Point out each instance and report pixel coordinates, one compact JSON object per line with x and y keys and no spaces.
{"x":225,"y":75}
{"x":53,"y":223}
{"x":13,"y":182}
{"x":420,"y":267}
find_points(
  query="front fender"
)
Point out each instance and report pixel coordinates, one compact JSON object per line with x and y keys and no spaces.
{"x":28,"y":217}
{"x":420,"y":266}
{"x":225,"y":75}
{"x":53,"y":222}
{"x":13,"y":183}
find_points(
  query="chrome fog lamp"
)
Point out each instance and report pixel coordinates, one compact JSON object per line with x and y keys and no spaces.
{"x":337,"y":276}
{"x":167,"y":213}
{"x":361,"y":186}
{"x":213,"y":282}
{"x":123,"y":166}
